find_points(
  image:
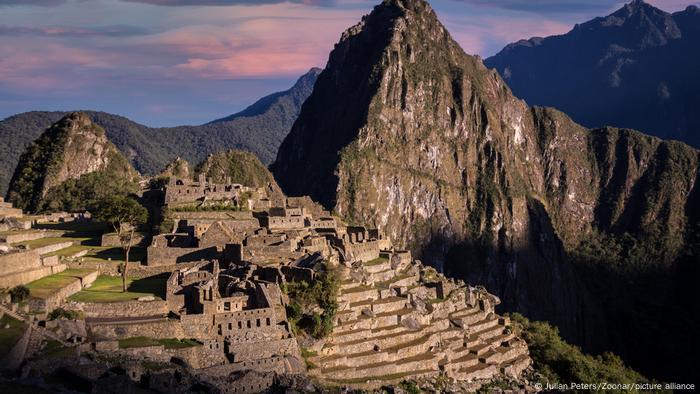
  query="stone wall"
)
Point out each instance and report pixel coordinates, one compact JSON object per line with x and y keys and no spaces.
{"x":24,"y":236}
{"x":57,"y":298}
{"x":199,"y":357}
{"x":19,"y":261}
{"x":159,"y":256}
{"x":112,"y":240}
{"x":22,"y":267}
{"x":166,"y":328}
{"x":136,"y":270}
{"x":213,"y":215}
{"x":121,"y":309}
{"x":362,"y":251}
{"x":53,"y":247}
{"x":241,"y":322}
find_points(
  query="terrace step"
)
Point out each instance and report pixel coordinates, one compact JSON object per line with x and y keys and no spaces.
{"x":478,"y":371}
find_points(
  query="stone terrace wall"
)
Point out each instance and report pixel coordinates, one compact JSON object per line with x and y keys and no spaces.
{"x":120,"y":309}
{"x":53,"y":247}
{"x":26,"y":266}
{"x":199,"y":356}
{"x":158,"y":330}
{"x":158,"y":256}
{"x":19,"y":261}
{"x":215,"y":215}
{"x":136,"y":270}
{"x":23,"y":236}
{"x":57,"y":298}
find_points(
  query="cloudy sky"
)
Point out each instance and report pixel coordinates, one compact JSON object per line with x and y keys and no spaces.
{"x":172,"y":62}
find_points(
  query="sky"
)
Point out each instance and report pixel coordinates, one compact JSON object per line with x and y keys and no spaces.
{"x":175,"y":62}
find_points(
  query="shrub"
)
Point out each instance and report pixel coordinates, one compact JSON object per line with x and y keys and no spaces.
{"x":559,"y":361}
{"x":60,"y":313}
{"x":304,"y":296}
{"x":19,"y":293}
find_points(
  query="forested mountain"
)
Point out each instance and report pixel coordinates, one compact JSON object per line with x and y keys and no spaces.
{"x":259,"y":128}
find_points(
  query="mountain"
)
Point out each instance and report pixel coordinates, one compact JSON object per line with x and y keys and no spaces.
{"x":635,"y":68}
{"x":68,"y":150}
{"x":593,"y":230}
{"x":178,"y":168}
{"x":239,"y":167}
{"x":259,"y":128}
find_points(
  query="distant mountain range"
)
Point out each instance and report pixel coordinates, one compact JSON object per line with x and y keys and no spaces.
{"x":636,"y":68}
{"x":259,"y":129}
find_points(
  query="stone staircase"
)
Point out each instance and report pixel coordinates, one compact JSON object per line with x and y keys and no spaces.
{"x":382,"y":335}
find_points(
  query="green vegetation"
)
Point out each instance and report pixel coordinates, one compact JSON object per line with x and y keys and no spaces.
{"x":41,"y":242}
{"x":109,"y":289}
{"x":60,"y":313}
{"x":242,"y":167}
{"x":125,"y":214}
{"x":168,"y":343}
{"x":305,"y":297}
{"x":559,"y":361}
{"x":48,"y":285}
{"x":410,"y":387}
{"x":259,"y":129}
{"x":307,"y":354}
{"x":86,"y":192}
{"x":54,"y":349}
{"x":42,"y":162}
{"x":10,"y":336}
{"x":19,"y":293}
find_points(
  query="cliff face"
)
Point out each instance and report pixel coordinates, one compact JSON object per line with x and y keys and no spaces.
{"x":69,"y":149}
{"x":406,"y":132}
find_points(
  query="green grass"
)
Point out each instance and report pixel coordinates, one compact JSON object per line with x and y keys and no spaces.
{"x":109,"y":289}
{"x":81,"y":227}
{"x":102,"y":253}
{"x":48,"y":285}
{"x":168,"y":343}
{"x":55,"y":349}
{"x":10,"y":336}
{"x":38,"y":243}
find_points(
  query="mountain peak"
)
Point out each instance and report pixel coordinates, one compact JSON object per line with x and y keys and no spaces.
{"x":70,"y":148}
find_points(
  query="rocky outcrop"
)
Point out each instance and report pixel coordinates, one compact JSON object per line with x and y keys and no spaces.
{"x":240,"y":167}
{"x":406,"y":132}
{"x":178,"y":168}
{"x":70,"y":148}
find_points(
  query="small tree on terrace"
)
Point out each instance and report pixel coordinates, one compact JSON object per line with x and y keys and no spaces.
{"x":124,"y":214}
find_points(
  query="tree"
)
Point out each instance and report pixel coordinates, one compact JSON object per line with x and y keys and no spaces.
{"x":124,"y":214}
{"x":19,"y":293}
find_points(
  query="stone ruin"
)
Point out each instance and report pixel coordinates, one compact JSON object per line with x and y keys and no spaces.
{"x":396,"y":318}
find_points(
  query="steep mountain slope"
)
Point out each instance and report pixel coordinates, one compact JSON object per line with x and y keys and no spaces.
{"x":68,"y":150}
{"x":259,"y":129}
{"x":178,"y":168}
{"x":406,"y":132}
{"x":239,"y":167}
{"x":635,"y":68}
